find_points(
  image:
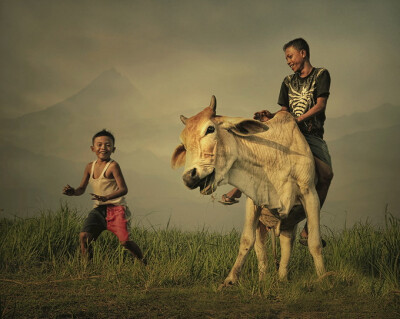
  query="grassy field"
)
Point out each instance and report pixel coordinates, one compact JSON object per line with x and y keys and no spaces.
{"x":43,"y":276}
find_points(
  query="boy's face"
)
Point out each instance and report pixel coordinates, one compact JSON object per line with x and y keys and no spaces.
{"x":103,"y":147}
{"x":295,"y":58}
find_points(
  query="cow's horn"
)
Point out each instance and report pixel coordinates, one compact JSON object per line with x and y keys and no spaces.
{"x":213,"y":103}
{"x":183,"y":119}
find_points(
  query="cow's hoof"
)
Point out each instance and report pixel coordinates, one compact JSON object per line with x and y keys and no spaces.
{"x":226,"y":284}
{"x":326,"y":275}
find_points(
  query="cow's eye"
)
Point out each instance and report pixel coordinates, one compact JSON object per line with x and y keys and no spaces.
{"x":210,"y":129}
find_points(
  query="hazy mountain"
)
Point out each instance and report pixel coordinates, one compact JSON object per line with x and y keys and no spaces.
{"x":384,"y":116}
{"x":30,"y":181}
{"x":50,"y":148}
{"x":65,"y":129}
{"x":45,"y":150}
{"x":367,"y":171}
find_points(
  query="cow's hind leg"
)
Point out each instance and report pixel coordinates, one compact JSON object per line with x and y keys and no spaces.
{"x":286,"y":241}
{"x":246,"y":241}
{"x":310,"y":202}
{"x":261,"y":250}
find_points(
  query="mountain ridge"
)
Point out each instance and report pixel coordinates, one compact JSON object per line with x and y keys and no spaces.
{"x":109,"y":101}
{"x":382,"y":116}
{"x":364,"y":149}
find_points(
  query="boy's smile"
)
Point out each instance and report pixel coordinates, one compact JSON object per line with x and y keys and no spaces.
{"x":103,"y":147}
{"x":295,"y":59}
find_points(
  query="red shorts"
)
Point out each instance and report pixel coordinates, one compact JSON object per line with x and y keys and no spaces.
{"x":110,"y":217}
{"x":116,"y":222}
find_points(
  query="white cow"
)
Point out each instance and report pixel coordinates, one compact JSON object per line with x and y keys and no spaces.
{"x":271,"y":164}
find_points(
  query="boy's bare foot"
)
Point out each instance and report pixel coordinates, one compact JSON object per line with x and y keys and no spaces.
{"x":226,"y":200}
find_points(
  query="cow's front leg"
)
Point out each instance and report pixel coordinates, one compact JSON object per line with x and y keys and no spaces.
{"x":246,"y":242}
{"x":286,"y":242}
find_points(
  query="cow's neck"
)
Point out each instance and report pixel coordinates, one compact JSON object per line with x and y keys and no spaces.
{"x":250,"y":172}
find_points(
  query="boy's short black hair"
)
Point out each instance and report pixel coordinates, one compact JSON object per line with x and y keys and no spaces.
{"x":103,"y":132}
{"x":299,"y":44}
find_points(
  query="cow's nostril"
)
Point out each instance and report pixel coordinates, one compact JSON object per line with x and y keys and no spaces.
{"x":193,"y":173}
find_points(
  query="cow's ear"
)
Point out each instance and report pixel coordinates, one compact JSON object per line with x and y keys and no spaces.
{"x":242,"y":127}
{"x":178,"y":157}
{"x":249,"y":127}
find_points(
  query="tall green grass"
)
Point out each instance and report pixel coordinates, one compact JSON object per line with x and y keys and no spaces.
{"x":46,"y":247}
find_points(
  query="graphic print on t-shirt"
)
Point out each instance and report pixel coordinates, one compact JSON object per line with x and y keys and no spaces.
{"x":302,"y":99}
{"x":299,"y":102}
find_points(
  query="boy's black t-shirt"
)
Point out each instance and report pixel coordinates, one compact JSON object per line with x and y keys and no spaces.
{"x":300,"y":94}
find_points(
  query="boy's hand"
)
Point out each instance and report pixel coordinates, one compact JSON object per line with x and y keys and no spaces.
{"x":68,"y":190}
{"x":98,"y":197}
{"x":299,"y":119}
{"x":263,"y":116}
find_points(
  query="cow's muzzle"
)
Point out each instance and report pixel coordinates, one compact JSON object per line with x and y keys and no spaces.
{"x":192,"y":180}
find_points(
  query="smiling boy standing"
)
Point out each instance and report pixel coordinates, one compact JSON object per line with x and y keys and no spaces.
{"x":110,"y":210}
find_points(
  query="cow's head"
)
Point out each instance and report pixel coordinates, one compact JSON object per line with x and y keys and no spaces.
{"x":208,"y":148}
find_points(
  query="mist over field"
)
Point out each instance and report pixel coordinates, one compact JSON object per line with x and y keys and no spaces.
{"x":49,"y":148}
{"x":71,"y":69}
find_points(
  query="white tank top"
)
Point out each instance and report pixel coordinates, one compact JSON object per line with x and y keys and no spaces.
{"x":104,"y":186}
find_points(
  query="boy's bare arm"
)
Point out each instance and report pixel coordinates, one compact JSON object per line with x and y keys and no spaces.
{"x":70,"y":191}
{"x":318,"y":107}
{"x":122,"y":190}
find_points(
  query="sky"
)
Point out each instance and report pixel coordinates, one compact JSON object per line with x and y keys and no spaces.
{"x":179,"y":53}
